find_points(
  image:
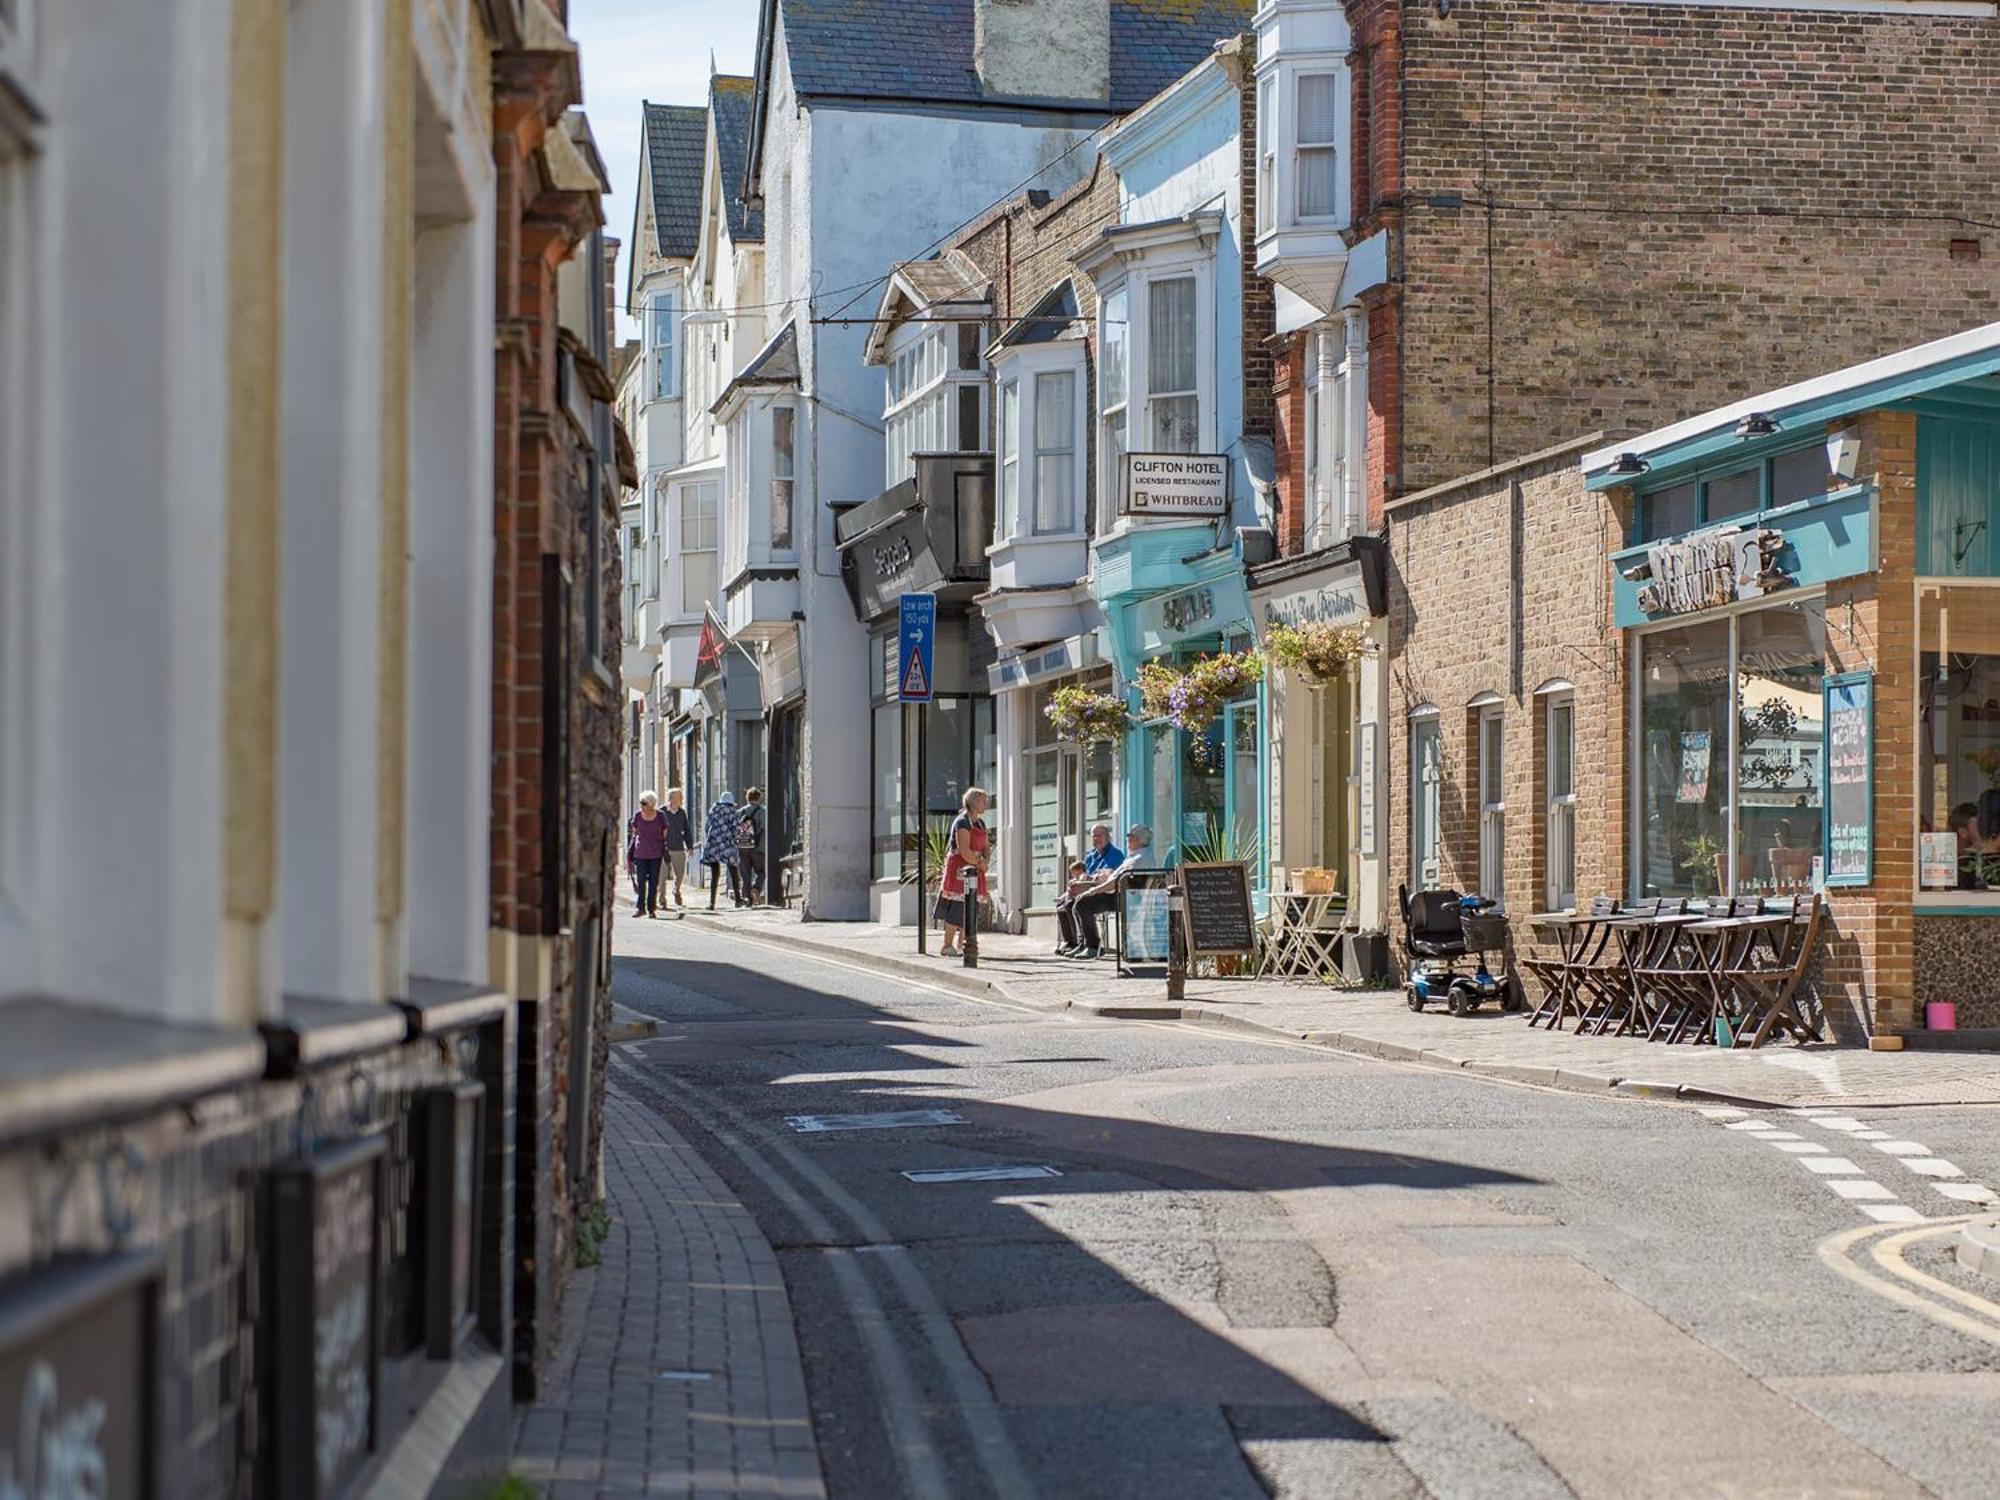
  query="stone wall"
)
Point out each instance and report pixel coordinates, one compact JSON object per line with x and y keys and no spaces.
{"x":1955,"y":961}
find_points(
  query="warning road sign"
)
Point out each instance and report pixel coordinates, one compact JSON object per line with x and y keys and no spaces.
{"x":916,"y":651}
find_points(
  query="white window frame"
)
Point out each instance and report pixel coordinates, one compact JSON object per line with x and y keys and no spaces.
{"x":1147,"y":269}
{"x":1070,"y":455}
{"x":921,"y":384}
{"x":1280,"y":149}
{"x":785,"y":480}
{"x":1267,"y":153}
{"x":1431,"y":803}
{"x":1008,"y":443}
{"x":21,"y":129}
{"x":706,"y":542}
{"x":1491,"y":731}
{"x":1332,"y":147}
{"x":662,"y":345}
{"x":1021,"y":370}
{"x":1110,"y":481}
{"x":1559,"y":863}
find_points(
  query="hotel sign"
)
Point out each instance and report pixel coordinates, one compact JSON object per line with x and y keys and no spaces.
{"x":1176,"y":484}
{"x":1709,"y":569}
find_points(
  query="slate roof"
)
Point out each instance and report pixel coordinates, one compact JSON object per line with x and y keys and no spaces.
{"x":676,"y":143}
{"x":1054,"y":316}
{"x":922,"y":49}
{"x":777,"y":363}
{"x":729,"y":102}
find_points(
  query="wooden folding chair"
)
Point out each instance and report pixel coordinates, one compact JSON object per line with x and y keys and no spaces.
{"x":1770,"y":993}
{"x":1580,"y":941}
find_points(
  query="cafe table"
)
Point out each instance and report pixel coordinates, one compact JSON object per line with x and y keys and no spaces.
{"x":1305,"y":934}
{"x":1724,"y":951}
{"x":1579,"y":937}
{"x":1644,"y":941}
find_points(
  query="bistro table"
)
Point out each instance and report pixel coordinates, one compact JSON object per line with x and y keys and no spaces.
{"x":1643,"y":942}
{"x":1305,"y":934}
{"x":1725,"y":952}
{"x":1579,"y":937}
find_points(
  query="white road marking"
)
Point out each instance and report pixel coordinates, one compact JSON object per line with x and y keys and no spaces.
{"x":1891,"y":1213}
{"x":1797,"y":1148}
{"x":979,"y":1174}
{"x":1931,"y":1166}
{"x":1868,"y":1135}
{"x":1780,"y":1135}
{"x":1721,"y":1111}
{"x":1901,"y":1148}
{"x":1756,"y":1125}
{"x":1856,"y":1188}
{"x":1967,"y":1192}
{"x":1843,"y":1123}
{"x":1830,"y":1166}
{"x":897,"y":1119}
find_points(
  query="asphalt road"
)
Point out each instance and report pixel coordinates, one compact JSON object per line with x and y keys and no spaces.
{"x":1267,"y":1269}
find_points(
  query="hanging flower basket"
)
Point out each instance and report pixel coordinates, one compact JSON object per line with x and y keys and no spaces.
{"x":1319,"y":653}
{"x":1190,"y":697}
{"x":1087,"y":717}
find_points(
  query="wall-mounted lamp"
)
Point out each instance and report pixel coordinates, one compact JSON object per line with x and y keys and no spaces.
{"x":1843,"y":456}
{"x":1625,"y":465}
{"x":1757,"y":424}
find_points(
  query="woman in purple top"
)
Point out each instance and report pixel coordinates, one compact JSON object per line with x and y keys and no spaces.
{"x":644,"y":851}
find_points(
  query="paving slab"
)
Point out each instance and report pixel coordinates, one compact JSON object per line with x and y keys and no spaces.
{"x":1376,"y":1023}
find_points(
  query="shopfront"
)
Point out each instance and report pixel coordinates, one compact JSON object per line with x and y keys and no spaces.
{"x":1326,"y":725}
{"x":925,"y":535}
{"x":1812,"y":612}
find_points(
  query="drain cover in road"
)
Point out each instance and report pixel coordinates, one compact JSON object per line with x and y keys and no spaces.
{"x":898,"y":1119}
{"x":981,"y":1174}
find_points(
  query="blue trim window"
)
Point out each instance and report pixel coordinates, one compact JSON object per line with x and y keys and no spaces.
{"x":1718,"y":495}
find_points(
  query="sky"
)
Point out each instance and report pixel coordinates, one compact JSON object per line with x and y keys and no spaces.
{"x":658,"y":50}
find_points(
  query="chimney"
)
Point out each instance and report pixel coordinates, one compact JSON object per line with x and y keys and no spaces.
{"x":610,"y":293}
{"x":1043,"y":49}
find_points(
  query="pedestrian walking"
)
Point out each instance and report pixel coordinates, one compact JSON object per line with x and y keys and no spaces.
{"x":680,"y":840}
{"x":962,"y":888}
{"x":750,"y":844}
{"x":718,"y":847}
{"x":645,"y":848}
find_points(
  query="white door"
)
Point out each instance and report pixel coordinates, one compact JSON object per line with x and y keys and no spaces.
{"x":1492,"y":808}
{"x":1426,"y":773}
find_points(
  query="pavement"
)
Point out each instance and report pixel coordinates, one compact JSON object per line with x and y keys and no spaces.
{"x":678,"y":1372}
{"x":1377,"y":1023}
{"x":1030,"y":1250}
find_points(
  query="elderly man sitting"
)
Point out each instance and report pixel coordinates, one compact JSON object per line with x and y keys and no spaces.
{"x":1098,"y":894}
{"x":1104,"y":855}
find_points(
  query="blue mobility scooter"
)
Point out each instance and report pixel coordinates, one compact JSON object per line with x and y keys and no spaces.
{"x":1442,"y":932}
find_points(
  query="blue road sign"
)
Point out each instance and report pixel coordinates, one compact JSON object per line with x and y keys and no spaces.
{"x":916,"y":652}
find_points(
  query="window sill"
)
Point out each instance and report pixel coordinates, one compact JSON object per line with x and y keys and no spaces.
{"x":1966,"y":904}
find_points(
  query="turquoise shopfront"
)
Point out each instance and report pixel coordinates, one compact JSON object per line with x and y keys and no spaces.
{"x":1171,"y":594}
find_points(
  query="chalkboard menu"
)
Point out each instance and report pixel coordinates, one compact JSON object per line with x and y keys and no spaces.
{"x":1217,"y":906}
{"x":450,"y":1213}
{"x":78,"y":1381}
{"x":326,"y":1299}
{"x":1850,"y":779}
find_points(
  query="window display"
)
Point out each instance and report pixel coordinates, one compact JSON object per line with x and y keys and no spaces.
{"x":1959,"y":738}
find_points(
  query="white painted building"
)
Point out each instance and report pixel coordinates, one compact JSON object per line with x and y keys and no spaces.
{"x":876,"y":134}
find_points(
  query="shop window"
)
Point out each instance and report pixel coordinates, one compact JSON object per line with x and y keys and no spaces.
{"x":783,"y":476}
{"x":1426,"y":800}
{"x":1559,"y":781}
{"x":1318,"y":117}
{"x":1492,"y":805}
{"x":886,"y":831}
{"x":1730,"y":717}
{"x":1113,"y":391}
{"x":1173,"y":405}
{"x":1958,"y":763}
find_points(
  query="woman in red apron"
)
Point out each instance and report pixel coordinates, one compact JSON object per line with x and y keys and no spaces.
{"x":964,"y":866}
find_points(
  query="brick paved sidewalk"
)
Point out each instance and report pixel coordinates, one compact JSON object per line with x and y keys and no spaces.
{"x":1377,"y":1022}
{"x":679,"y":1371}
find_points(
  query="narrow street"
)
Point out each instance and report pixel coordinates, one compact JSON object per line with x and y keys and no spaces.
{"x":1206,"y":1265}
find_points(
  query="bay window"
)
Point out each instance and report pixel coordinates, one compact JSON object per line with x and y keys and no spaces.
{"x":661,"y":313}
{"x":1318,"y":112}
{"x":1010,"y":459}
{"x":1055,"y":452}
{"x":1114,"y":346}
{"x":1173,"y":405}
{"x":935,"y":397}
{"x":783,"y":475}
{"x":1267,"y":152}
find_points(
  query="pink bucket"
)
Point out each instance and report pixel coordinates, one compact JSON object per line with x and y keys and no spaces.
{"x":1940,"y":1015}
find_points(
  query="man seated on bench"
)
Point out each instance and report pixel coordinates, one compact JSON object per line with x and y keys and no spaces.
{"x":1104,"y":855}
{"x":1101,"y":894}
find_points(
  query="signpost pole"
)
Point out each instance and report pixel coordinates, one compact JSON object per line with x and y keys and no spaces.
{"x":1176,"y":946}
{"x":923,"y":816}
{"x":915,"y":802}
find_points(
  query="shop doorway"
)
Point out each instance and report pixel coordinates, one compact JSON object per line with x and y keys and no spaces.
{"x":1069,"y":789}
{"x":787,"y":871}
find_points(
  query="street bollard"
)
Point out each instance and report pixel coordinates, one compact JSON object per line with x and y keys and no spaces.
{"x":973,"y":907}
{"x":1176,"y":952}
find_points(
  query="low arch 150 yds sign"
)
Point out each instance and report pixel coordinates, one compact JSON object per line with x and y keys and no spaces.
{"x":1176,"y":484}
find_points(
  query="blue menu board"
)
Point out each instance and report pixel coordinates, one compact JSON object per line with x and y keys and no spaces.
{"x":1850,"y":779}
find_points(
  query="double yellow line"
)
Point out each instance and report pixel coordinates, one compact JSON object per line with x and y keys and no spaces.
{"x":1902,"y":1283}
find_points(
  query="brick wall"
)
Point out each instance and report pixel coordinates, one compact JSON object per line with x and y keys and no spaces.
{"x":1458,"y":557}
{"x":1619,"y":214}
{"x":1288,"y":411}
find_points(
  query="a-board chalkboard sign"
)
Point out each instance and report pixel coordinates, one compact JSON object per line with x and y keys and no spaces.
{"x":450,"y":1176}
{"x":1850,"y":779}
{"x":79,"y":1414}
{"x":1217,"y":907}
{"x":1144,"y":918}
{"x":326,"y":1316}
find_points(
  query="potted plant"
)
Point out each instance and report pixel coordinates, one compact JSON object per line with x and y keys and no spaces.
{"x":1319,"y":652}
{"x":1087,"y":717}
{"x":1191,"y":697}
{"x":1702,"y":857}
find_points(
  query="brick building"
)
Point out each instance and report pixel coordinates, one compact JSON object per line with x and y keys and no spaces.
{"x":1494,"y":225}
